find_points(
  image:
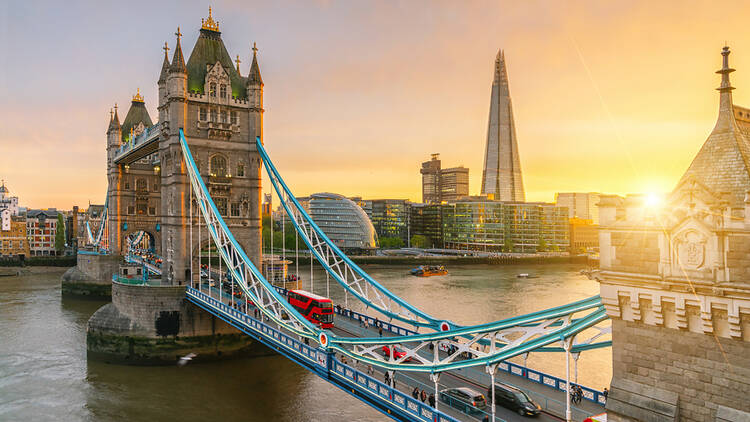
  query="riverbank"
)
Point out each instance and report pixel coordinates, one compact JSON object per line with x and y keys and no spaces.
{"x":468,"y":260}
{"x":21,"y":271}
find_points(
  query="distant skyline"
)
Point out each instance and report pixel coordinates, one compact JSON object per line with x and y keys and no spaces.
{"x":607,"y":97}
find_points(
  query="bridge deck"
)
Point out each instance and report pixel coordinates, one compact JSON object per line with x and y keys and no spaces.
{"x":552,"y":400}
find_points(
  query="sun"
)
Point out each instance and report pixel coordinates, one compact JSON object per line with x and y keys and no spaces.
{"x":652,"y":200}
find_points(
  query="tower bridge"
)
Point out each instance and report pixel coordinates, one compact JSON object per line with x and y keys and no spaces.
{"x":193,"y":179}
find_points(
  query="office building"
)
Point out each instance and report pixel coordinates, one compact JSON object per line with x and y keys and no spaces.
{"x":343,"y":221}
{"x":13,"y":241}
{"x":439,"y":184}
{"x":582,"y":205}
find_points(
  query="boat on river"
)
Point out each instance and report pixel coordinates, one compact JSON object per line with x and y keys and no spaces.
{"x":429,"y":270}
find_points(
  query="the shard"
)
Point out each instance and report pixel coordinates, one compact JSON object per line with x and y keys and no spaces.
{"x":501,"y":177}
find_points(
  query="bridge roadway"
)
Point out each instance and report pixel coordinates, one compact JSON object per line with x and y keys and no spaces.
{"x":550,"y":399}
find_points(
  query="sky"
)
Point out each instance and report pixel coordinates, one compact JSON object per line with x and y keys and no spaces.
{"x":613,"y":97}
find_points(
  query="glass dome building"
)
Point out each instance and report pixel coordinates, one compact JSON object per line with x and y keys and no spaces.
{"x":343,"y":221}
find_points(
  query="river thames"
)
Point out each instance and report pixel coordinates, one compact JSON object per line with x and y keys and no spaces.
{"x":44,"y":373}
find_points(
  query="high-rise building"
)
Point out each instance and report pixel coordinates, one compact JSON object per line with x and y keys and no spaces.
{"x":343,"y":221}
{"x":501,"y":177}
{"x":454,"y":183}
{"x":582,"y":205}
{"x":431,"y":180}
{"x":439,"y":184}
{"x":425,"y":220}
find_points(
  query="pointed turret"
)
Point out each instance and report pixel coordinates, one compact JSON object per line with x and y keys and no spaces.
{"x":164,"y":65}
{"x":178,"y":60}
{"x":114,"y":120}
{"x":723,"y":162}
{"x":253,"y":77}
{"x":137,"y":116}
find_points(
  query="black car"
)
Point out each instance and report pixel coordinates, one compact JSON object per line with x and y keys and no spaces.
{"x":464,"y":399}
{"x":514,"y":399}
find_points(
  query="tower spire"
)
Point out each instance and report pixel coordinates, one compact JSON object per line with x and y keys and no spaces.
{"x":254,"y":76}
{"x":501,"y":74}
{"x":238,"y":63}
{"x":726,"y":119}
{"x":178,"y":60}
{"x":165,"y":64}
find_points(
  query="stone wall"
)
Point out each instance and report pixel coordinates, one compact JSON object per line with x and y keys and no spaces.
{"x":99,"y":268}
{"x":157,"y":325}
{"x":635,"y":251}
{"x":704,"y":371}
{"x":738,"y":258}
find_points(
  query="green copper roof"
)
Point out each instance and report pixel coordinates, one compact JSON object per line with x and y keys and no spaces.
{"x":209,"y":49}
{"x":136,"y":114}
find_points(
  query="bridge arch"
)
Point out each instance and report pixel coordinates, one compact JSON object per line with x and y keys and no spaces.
{"x":146,"y":240}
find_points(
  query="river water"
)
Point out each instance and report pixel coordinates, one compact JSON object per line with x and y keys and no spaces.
{"x":44,"y":373}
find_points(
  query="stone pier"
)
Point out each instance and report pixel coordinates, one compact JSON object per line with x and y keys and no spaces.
{"x":92,"y":275}
{"x":155,"y":325}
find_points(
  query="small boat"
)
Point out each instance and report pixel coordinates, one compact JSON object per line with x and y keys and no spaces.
{"x":429,"y":270}
{"x":526,"y":275}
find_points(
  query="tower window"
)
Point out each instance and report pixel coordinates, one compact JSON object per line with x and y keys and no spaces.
{"x":223,"y":116}
{"x":234,"y":117}
{"x":212,"y":89}
{"x":221,"y":205}
{"x":240,"y":170}
{"x":218,"y":166}
{"x":214,"y":116}
{"x":203,"y":114}
{"x":235,"y":209}
{"x":223,"y":91}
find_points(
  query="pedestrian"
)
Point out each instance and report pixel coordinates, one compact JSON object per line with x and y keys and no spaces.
{"x":579,"y":391}
{"x":369,"y":370}
{"x":431,"y":400}
{"x":386,"y":378}
{"x":415,"y":393}
{"x":605,"y":393}
{"x":423,"y":396}
{"x":380,"y":331}
{"x":360,"y":320}
{"x":486,"y":418}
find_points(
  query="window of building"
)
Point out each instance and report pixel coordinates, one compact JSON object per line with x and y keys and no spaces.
{"x":155,"y":186}
{"x":203,"y":114}
{"x":240,"y":170}
{"x":141,"y":209}
{"x":140,"y":184}
{"x":218,"y":166}
{"x":212,"y":89}
{"x":214,"y":116}
{"x":235,"y":209}
{"x":131,"y":210}
{"x":223,"y":91}
{"x":151,"y":210}
{"x":127,"y":184}
{"x":234,"y":117}
{"x":223,"y":116}
{"x":221,"y":205}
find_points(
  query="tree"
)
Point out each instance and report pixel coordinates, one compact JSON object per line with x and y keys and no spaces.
{"x":419,"y":241}
{"x":391,"y":242}
{"x":60,"y":234}
{"x":542,"y":246}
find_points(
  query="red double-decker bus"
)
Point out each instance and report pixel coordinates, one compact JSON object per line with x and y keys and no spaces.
{"x":317,"y":309}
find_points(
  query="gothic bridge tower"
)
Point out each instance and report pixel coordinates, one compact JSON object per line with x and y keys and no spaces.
{"x":675,"y":280}
{"x":221,"y":113}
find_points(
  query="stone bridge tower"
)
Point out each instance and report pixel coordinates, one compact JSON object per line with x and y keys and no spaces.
{"x":675,"y":279}
{"x":221,"y":113}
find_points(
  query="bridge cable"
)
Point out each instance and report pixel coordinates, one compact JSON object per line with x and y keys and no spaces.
{"x":191,"y":236}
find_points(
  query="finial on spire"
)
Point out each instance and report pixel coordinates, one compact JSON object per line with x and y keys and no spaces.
{"x":209,"y":23}
{"x":725,"y":70}
{"x":178,"y":33}
{"x":238,"y":63}
{"x":255,"y":48}
{"x":166,"y":47}
{"x":115,"y":108}
{"x":138,"y":98}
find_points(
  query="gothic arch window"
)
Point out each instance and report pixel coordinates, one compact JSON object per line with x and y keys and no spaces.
{"x":212,"y":89}
{"x":214,"y":116}
{"x":223,"y":91}
{"x":218,"y":165}
{"x":140,"y":184}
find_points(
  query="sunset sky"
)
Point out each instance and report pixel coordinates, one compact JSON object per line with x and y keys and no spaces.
{"x":607,"y":97}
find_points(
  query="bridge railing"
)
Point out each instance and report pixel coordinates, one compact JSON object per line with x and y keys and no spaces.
{"x":320,"y":360}
{"x":508,"y":367}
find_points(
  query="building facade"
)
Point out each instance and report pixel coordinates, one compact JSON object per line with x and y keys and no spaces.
{"x":343,"y":221}
{"x":581,"y":205}
{"x":440,"y":185}
{"x":221,"y":113}
{"x":501,"y":176}
{"x":426,"y":220}
{"x":498,"y":226}
{"x":389,"y":217}
{"x":676,"y":285}
{"x":41,"y":228}
{"x":584,"y":236}
{"x":7,"y":201}
{"x":13,"y":240}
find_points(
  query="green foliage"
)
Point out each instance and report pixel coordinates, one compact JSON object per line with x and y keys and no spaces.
{"x":419,"y":241}
{"x":542,"y":246}
{"x":60,"y":234}
{"x":391,"y":242}
{"x":289,"y":234}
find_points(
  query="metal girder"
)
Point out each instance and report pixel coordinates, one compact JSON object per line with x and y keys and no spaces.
{"x":244,"y":273}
